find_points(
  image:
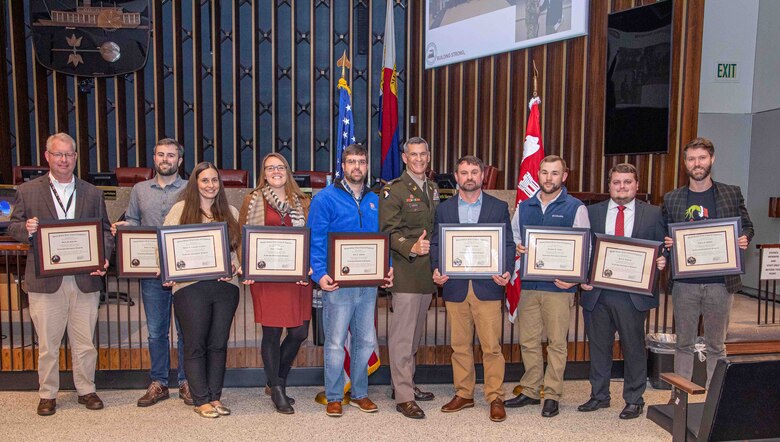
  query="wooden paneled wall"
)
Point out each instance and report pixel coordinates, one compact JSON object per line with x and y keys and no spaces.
{"x":234,"y":80}
{"x":480,"y":106}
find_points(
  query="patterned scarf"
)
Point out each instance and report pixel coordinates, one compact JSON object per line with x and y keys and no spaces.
{"x":284,"y":208}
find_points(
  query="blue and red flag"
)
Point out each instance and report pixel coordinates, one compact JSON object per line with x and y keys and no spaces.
{"x":345,"y":132}
{"x":388,"y":104}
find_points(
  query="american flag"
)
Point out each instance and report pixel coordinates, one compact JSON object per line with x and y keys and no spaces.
{"x":345,"y":133}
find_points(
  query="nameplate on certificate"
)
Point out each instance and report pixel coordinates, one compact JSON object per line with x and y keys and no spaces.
{"x":194,"y":252}
{"x":555,"y":253}
{"x":358,"y":259}
{"x":706,"y":248}
{"x":471,"y":251}
{"x":624,"y":264}
{"x":136,"y":252}
{"x":69,"y":247}
{"x":275,"y":254}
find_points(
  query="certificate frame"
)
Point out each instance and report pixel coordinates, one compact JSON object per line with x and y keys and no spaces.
{"x":297,"y":237}
{"x":644,"y":250}
{"x":577,"y":239}
{"x":337,"y":244}
{"x":129,"y":237}
{"x":453,"y":266}
{"x":48,"y":262}
{"x":684,"y":265}
{"x":169,"y":238}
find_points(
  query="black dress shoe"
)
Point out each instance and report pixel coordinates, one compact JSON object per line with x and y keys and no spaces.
{"x":521,"y":400}
{"x":419,"y":395}
{"x":631,"y":411}
{"x":593,"y":405}
{"x":550,"y":408}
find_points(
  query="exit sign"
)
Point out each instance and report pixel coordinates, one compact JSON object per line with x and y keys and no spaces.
{"x":726,"y":72}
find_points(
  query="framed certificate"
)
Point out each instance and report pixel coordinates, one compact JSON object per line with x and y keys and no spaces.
{"x":555,"y":253}
{"x":625,"y":264}
{"x":358,"y":259}
{"x":278,"y":254}
{"x":706,"y":248}
{"x":194,"y":252}
{"x":136,"y":252}
{"x":471,"y":251}
{"x":69,"y":247}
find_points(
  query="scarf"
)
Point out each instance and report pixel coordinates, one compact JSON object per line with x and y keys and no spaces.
{"x":256,"y":209}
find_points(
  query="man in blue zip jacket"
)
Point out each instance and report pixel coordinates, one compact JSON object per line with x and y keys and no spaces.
{"x":347,"y":205}
{"x":545,"y":305}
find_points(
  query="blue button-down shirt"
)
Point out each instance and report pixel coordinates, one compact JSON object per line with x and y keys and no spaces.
{"x":150,"y":203}
{"x":468,"y":213}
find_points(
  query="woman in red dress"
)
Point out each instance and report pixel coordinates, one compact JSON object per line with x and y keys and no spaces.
{"x":278,"y":201}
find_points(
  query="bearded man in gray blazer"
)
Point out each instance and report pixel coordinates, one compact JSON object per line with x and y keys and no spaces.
{"x":67,"y":302}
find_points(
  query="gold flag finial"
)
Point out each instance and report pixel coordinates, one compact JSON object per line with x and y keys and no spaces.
{"x":536,"y":74}
{"x":344,"y":64}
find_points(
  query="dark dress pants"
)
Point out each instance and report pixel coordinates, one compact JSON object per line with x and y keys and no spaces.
{"x":614,"y":311}
{"x":205,"y":312}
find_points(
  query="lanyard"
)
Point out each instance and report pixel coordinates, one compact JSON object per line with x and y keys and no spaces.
{"x":59,"y":201}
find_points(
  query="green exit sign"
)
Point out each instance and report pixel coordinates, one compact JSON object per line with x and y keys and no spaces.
{"x":726,"y":71}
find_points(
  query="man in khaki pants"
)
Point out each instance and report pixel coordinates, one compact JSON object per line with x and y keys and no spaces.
{"x":474,"y":304}
{"x":545,"y":305}
{"x":406,"y":208}
{"x":67,"y":302}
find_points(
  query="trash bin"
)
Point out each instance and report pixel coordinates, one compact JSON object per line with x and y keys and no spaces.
{"x":318,"y":332}
{"x":661,"y":359}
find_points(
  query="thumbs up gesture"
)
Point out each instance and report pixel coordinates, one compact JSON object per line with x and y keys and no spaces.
{"x":422,"y":246}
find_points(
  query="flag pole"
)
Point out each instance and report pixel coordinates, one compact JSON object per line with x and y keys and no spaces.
{"x":536,"y":74}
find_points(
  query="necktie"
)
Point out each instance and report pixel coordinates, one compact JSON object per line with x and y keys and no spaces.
{"x":620,"y":222}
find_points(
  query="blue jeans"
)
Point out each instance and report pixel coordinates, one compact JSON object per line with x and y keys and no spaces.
{"x":157,"y":305}
{"x":348,"y":308}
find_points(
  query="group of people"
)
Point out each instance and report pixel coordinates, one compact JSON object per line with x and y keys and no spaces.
{"x":409,"y":210}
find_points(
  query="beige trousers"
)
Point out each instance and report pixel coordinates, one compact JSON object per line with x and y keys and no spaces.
{"x":52,"y":313}
{"x":407,"y":325}
{"x":486,"y":317}
{"x":539,"y":310}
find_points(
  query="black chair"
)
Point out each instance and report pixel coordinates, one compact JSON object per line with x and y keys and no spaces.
{"x":742,"y":402}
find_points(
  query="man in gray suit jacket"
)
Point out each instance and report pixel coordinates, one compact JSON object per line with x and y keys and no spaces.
{"x":67,"y":302}
{"x":606,"y":311}
{"x":710,"y":297}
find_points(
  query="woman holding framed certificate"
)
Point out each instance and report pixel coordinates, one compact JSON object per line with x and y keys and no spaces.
{"x":278,"y":201}
{"x":205,"y":308}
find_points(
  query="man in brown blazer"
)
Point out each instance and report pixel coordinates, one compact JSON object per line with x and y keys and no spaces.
{"x":67,"y":302}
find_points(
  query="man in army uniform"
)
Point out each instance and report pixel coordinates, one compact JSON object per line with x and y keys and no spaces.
{"x":406,"y":209}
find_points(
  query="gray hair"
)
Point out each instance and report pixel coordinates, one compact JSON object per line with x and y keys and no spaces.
{"x":416,"y":140}
{"x":63,"y":137}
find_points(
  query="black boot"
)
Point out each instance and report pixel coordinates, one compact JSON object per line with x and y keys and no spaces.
{"x":280,"y":401}
{"x":284,"y":389}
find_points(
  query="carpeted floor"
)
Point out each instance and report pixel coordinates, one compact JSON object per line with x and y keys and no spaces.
{"x":254,"y":419}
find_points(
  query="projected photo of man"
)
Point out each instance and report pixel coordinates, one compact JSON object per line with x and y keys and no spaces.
{"x":537,"y":18}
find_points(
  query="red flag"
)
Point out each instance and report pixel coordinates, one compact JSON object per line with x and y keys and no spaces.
{"x":527,"y":185}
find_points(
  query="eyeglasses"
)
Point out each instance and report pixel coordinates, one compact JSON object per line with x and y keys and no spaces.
{"x":355,"y":162}
{"x":279,"y":168}
{"x":60,"y":155}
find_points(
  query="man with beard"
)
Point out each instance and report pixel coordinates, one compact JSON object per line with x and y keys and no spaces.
{"x":406,"y":210}
{"x":150,"y":202}
{"x":474,"y":303}
{"x":347,"y":205}
{"x":545,"y":305}
{"x":607,"y":310}
{"x":711,"y":297}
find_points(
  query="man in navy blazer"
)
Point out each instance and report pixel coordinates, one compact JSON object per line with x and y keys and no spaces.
{"x":606,"y":311}
{"x":474,"y":303}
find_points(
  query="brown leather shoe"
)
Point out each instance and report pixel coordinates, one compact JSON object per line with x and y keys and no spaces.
{"x":333,"y":409}
{"x":185,"y":394}
{"x":154,"y":393}
{"x":497,"y":412}
{"x":47,"y":407}
{"x":365,"y":405}
{"x":410,"y":409}
{"x":456,"y":404}
{"x":91,"y":401}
